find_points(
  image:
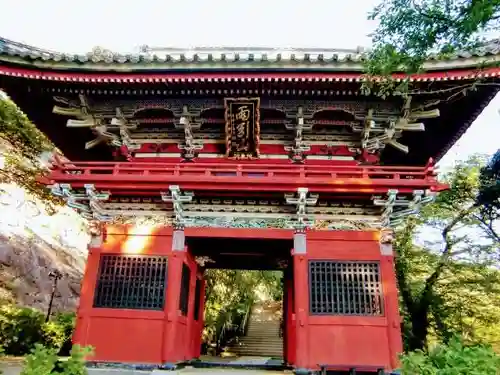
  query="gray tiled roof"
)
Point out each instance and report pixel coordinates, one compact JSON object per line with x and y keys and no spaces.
{"x":192,"y":55}
{"x":207,"y":55}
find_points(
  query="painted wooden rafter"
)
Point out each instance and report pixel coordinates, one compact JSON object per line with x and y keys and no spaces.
{"x":102,"y":130}
{"x":177,"y":198}
{"x":301,"y":201}
{"x":396,"y":209}
{"x":190,"y":146}
{"x":87,"y":204}
{"x":380,"y":131}
{"x":299,"y":146}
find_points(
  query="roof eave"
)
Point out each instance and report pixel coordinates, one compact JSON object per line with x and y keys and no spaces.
{"x":190,"y":66}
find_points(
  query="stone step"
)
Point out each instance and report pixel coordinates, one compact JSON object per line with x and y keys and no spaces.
{"x":262,"y":334}
{"x":256,"y":349}
{"x":258,"y":327}
{"x":264,"y":324}
{"x":261,"y":342}
{"x":272,"y":347}
{"x":257,"y":353}
{"x":263,"y":329}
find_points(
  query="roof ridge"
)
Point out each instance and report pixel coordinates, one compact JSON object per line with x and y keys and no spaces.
{"x":208,"y":49}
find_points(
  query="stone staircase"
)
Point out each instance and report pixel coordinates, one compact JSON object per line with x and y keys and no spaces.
{"x":263,"y":334}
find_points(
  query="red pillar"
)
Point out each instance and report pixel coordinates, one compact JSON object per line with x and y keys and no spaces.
{"x":391,"y":300}
{"x":191,"y":323}
{"x":392,"y":308}
{"x":88,"y":288}
{"x":171,"y":352}
{"x":301,"y":302}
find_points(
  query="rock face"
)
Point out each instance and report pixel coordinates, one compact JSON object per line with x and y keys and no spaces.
{"x":33,"y":243}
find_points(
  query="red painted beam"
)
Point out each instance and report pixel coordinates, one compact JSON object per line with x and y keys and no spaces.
{"x":106,"y":77}
{"x":131,"y":188}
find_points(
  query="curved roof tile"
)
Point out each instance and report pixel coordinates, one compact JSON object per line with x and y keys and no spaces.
{"x":259,"y":56}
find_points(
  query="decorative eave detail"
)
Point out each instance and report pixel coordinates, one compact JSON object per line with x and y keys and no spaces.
{"x":299,"y":146}
{"x":301,"y":201}
{"x":178,"y":199}
{"x":104,"y":130}
{"x":86,"y":204}
{"x":396,"y":209}
{"x":190,"y":146}
{"x":378,"y":132}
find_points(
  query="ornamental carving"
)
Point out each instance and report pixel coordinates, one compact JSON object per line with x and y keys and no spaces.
{"x":242,"y":116}
{"x":386,"y":236}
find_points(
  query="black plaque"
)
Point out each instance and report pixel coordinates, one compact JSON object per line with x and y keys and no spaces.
{"x":242,"y":117}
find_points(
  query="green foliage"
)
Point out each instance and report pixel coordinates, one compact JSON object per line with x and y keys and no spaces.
{"x":58,"y":331}
{"x":22,"y":327}
{"x":443,"y":264}
{"x":75,"y":365}
{"x":488,"y":197}
{"x":2,"y":353}
{"x":452,"y":359}
{"x":20,"y":132}
{"x":21,"y":145}
{"x":230,"y":293}
{"x":44,"y":361}
{"x":66,"y":325}
{"x":41,"y":361}
{"x":409,"y":32}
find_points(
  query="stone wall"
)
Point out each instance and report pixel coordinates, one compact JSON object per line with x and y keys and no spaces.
{"x":32,"y":243}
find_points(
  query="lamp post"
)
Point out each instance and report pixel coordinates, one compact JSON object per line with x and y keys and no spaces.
{"x":55,"y":276}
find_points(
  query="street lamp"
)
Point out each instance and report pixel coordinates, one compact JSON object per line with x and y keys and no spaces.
{"x":55,"y":276}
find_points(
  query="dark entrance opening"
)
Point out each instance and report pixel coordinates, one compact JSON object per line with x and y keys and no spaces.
{"x":250,"y":331}
{"x":242,"y":253}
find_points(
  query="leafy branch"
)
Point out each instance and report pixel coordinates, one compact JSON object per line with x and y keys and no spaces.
{"x":412,"y":31}
{"x":21,"y":145}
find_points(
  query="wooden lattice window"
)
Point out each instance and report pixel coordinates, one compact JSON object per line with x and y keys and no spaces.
{"x":131,"y":282}
{"x":345,"y":288}
{"x":184,"y":297}
{"x":197,"y":297}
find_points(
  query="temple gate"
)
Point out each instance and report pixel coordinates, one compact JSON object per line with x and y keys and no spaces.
{"x":175,"y":155}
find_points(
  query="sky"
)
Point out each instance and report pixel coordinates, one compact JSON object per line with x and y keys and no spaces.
{"x":122,"y":26}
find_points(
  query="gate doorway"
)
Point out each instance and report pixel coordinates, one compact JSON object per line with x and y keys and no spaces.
{"x":245,"y":303}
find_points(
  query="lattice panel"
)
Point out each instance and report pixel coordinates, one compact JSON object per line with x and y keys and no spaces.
{"x":131,"y":282}
{"x":345,"y":288}
{"x":184,"y":297}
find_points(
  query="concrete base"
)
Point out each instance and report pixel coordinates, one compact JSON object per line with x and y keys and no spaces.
{"x":10,"y":369}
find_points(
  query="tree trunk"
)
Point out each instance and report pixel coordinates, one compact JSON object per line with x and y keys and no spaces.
{"x":419,"y":327}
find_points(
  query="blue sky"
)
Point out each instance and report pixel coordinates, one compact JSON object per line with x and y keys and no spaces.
{"x":78,"y":26}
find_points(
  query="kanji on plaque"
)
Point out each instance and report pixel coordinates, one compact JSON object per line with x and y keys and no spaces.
{"x":242,"y":127}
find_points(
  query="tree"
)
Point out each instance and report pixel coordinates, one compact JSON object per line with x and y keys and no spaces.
{"x":411,"y":31}
{"x":463,"y":222}
{"x":21,"y":145}
{"x":230,"y":293}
